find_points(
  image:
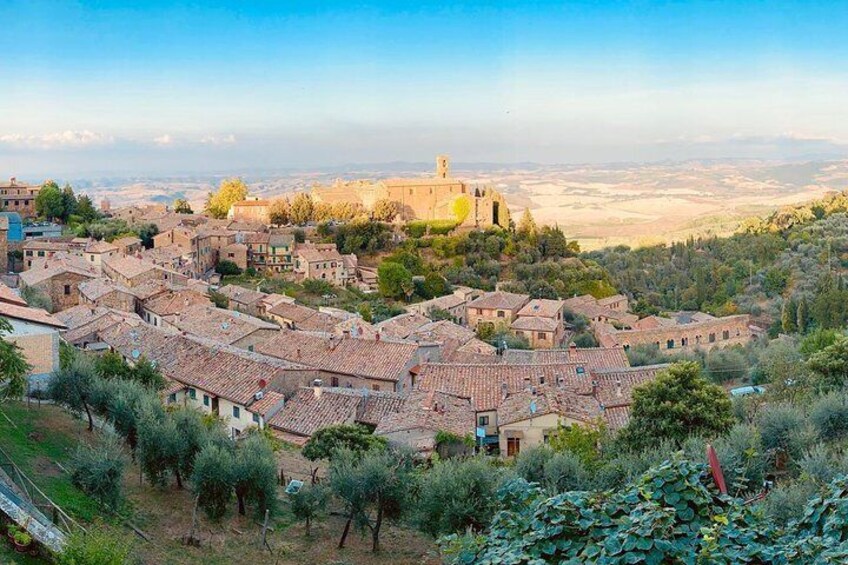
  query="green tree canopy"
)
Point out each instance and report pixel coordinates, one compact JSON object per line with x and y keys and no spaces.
{"x":14,"y":367}
{"x":324,"y":443}
{"x":181,"y":206}
{"x":393,"y":279}
{"x":677,"y":404}
{"x":50,"y":203}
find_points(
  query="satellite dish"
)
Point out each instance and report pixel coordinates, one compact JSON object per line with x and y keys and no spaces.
{"x":136,"y":353}
{"x":533,"y":407}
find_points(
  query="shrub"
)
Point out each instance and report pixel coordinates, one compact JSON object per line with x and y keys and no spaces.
{"x":226,"y":267}
{"x":786,"y":502}
{"x":456,"y":495}
{"x":784,"y":433}
{"x":98,"y":470}
{"x":530,"y":463}
{"x":565,"y":472}
{"x":97,"y":546}
{"x":829,"y":416}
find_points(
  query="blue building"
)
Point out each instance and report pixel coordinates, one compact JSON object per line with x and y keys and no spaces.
{"x":16,"y":227}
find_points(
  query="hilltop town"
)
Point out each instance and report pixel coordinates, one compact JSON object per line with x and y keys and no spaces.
{"x":417,"y":316}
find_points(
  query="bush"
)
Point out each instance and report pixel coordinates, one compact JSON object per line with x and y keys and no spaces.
{"x":530,"y":463}
{"x":784,"y":433}
{"x":786,"y":502}
{"x":98,"y":470}
{"x":742,"y":459}
{"x":226,"y":267}
{"x":456,"y":495}
{"x":565,"y":472}
{"x":97,"y":546}
{"x":820,"y":465}
{"x":829,"y":416}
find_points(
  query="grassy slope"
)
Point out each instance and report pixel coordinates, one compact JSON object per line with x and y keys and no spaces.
{"x":48,"y":434}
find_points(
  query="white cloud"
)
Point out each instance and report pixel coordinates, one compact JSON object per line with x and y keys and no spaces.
{"x":164,"y":139}
{"x":67,"y":138}
{"x":228,"y":139}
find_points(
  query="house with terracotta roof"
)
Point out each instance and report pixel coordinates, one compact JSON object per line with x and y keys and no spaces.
{"x":602,"y":311}
{"x":380,"y":365}
{"x":33,"y":249}
{"x":607,"y":393}
{"x":244,"y":299}
{"x":527,"y":417}
{"x":298,"y":317}
{"x":541,"y":322}
{"x":128,"y":245}
{"x":593,"y":358}
{"x":257,"y":249}
{"x":236,"y":253}
{"x":242,"y":388}
{"x":160,"y":310}
{"x":497,"y":308}
{"x":36,"y":332}
{"x":423,"y":415}
{"x":321,"y":261}
{"x":251,"y":211}
{"x":85,"y":322}
{"x":454,"y":304}
{"x":106,"y":292}
{"x":95,"y":251}
{"x":222,"y":326}
{"x":317,"y":407}
{"x":58,"y":277}
{"x":132,"y":271}
{"x":279,"y":253}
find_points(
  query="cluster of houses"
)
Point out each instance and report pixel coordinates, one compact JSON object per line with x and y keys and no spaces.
{"x":192,"y":245}
{"x":264,"y":360}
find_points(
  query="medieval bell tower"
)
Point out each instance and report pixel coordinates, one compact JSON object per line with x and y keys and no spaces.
{"x":442,"y":166}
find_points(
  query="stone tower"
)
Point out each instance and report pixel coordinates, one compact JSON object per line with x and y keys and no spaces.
{"x":442,"y":166}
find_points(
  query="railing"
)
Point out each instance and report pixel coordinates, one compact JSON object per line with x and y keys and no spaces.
{"x":33,"y":499}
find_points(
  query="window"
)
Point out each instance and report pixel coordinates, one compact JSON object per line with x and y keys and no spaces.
{"x":479,"y":311}
{"x":250,"y":348}
{"x":725,"y":334}
{"x":712,"y":338}
{"x":41,"y":253}
{"x":192,"y":393}
{"x":375,"y":387}
{"x":501,"y":314}
{"x":334,"y":381}
{"x":236,"y":412}
{"x":669,"y":344}
{"x":172,"y":398}
{"x":581,"y":370}
{"x":256,"y":418}
{"x":626,"y":347}
{"x":541,"y":335}
{"x":67,"y":289}
{"x":513,"y":446}
{"x":206,"y":400}
{"x":483,"y":421}
{"x":542,"y":380}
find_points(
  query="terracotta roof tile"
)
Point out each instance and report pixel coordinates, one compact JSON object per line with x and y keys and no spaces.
{"x":380,"y":360}
{"x":500,"y":300}
{"x":27,"y":314}
{"x":592,"y":357}
{"x":225,"y":326}
{"x":432,"y":411}
{"x":541,"y":400}
{"x":309,"y":411}
{"x":542,"y":308}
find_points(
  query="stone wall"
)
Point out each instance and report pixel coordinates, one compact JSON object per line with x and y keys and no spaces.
{"x":706,"y":335}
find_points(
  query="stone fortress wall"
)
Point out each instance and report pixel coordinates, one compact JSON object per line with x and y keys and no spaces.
{"x":425,"y":198}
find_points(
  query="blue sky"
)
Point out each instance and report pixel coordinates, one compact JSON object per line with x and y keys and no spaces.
{"x":165,"y":86}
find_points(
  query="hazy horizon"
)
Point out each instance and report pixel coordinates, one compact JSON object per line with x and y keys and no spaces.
{"x":109,"y":87}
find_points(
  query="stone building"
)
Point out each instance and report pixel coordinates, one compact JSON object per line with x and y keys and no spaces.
{"x":19,"y":197}
{"x":541,"y":322}
{"x":686,"y":331}
{"x":58,"y":278}
{"x":257,"y":211}
{"x":441,"y":197}
{"x":496,"y":308}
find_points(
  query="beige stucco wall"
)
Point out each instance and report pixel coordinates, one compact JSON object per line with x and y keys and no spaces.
{"x":532,"y":430}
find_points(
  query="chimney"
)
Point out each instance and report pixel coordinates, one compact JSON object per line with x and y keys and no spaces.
{"x":377,"y":337}
{"x":297,"y":353}
{"x":572,"y":346}
{"x":316,"y":387}
{"x":504,"y":390}
{"x":594,"y":388}
{"x":618,"y":387}
{"x":12,"y":181}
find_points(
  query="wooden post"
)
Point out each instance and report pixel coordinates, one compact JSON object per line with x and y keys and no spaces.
{"x":265,"y":530}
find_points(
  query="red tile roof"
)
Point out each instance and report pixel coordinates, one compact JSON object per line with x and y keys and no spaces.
{"x":27,"y":314}
{"x":542,"y":400}
{"x":500,"y":300}
{"x":432,"y":411}
{"x":591,"y":357}
{"x":381,"y":360}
